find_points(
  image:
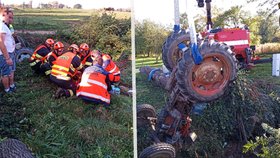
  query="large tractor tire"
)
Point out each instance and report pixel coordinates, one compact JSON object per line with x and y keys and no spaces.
{"x":209,"y":80}
{"x":23,"y":53}
{"x":12,"y":148}
{"x":144,"y":112}
{"x":170,"y":51}
{"x":159,"y":150}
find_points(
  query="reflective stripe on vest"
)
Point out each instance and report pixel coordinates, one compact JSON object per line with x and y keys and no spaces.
{"x":113,"y":68}
{"x":94,"y":96}
{"x":97,"y":83}
{"x":34,"y":62}
{"x":45,"y":58}
{"x":117,"y":73}
{"x":61,"y":66}
{"x":35,"y":55}
{"x":93,"y":85}
{"x":85,"y":60}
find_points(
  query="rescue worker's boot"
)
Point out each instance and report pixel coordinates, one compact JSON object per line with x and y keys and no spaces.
{"x":59,"y":93}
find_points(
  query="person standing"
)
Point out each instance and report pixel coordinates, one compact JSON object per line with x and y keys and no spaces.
{"x":7,"y":48}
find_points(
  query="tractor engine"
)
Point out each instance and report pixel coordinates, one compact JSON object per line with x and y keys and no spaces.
{"x":237,"y":39}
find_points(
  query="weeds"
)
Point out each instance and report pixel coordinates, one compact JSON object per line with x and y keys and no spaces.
{"x":227,"y":123}
{"x":64,"y":127}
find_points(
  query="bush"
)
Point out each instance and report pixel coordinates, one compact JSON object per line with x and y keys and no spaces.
{"x":105,"y":32}
{"x":265,"y":146}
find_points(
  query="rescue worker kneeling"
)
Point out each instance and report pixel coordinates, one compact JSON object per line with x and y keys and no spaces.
{"x":112,"y":68}
{"x":40,"y":54}
{"x":93,"y":86}
{"x":64,"y":72}
{"x":58,"y":49}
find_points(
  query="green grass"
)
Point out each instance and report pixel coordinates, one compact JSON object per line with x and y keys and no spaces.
{"x":149,"y":92}
{"x":65,"y":127}
{"x":263,"y":71}
{"x":147,"y":61}
{"x":54,"y":19}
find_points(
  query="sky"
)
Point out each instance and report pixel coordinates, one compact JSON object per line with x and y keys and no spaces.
{"x":86,"y":4}
{"x":161,"y":11}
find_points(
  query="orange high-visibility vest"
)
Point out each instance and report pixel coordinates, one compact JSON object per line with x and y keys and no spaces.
{"x":93,"y":86}
{"x":62,"y":66}
{"x":36,"y":58}
{"x":45,"y":58}
{"x":84,"y":61}
{"x":112,"y":68}
{"x":35,"y":55}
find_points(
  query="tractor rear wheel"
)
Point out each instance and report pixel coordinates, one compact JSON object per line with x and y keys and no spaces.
{"x":23,"y":53}
{"x":170,"y":51}
{"x":209,"y":80}
{"x":159,"y":150}
{"x":144,"y":113}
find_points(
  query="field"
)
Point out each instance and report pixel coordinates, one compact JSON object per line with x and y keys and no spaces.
{"x":54,"y":19}
{"x":144,"y":61}
{"x":65,"y":127}
{"x":218,"y":118}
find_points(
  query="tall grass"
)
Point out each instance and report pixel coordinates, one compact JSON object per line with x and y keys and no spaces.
{"x":65,"y":127}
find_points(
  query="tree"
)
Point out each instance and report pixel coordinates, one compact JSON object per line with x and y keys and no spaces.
{"x":149,"y":38}
{"x":233,"y":17}
{"x":61,"y":6}
{"x":77,"y":6}
{"x":104,"y":32}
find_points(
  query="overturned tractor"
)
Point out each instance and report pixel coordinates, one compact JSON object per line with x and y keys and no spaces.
{"x":201,"y":71}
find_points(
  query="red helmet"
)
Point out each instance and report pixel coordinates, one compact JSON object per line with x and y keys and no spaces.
{"x":58,"y":48}
{"x":49,"y":41}
{"x":58,"y":45}
{"x":84,"y":46}
{"x":73,"y":47}
{"x":84,"y":49}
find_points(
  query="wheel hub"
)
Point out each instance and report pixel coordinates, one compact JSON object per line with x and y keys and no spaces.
{"x":207,"y":74}
{"x":211,"y":75}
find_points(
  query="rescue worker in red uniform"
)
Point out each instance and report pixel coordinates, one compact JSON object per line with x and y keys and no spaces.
{"x":93,"y":86}
{"x":85,"y":55}
{"x":51,"y":57}
{"x":63,"y":73}
{"x":39,"y":55}
{"x":112,"y":68}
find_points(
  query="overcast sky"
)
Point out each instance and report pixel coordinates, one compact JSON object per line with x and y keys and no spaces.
{"x":86,"y":4}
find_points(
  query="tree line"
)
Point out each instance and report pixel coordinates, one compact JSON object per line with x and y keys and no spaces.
{"x":263,"y":26}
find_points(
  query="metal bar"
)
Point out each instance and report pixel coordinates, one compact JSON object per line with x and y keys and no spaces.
{"x":176,"y":12}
